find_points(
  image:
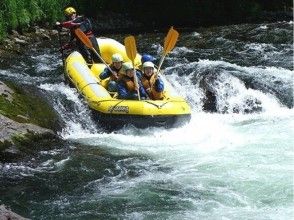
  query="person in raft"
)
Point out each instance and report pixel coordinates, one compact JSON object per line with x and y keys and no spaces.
{"x":72,"y":22}
{"x":126,"y":87}
{"x":115,"y":74}
{"x":152,"y":83}
{"x":145,"y":58}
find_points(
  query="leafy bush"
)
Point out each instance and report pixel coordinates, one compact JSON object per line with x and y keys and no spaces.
{"x":21,"y":14}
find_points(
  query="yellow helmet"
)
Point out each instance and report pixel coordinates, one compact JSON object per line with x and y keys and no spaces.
{"x":69,"y":11}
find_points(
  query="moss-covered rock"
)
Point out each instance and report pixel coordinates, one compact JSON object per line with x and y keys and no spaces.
{"x":22,"y":105}
{"x":24,"y":118}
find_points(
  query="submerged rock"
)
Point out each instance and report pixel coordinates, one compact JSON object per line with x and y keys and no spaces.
{"x":222,"y":97}
{"x":6,"y":214}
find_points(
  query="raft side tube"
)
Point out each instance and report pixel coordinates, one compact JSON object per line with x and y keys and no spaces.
{"x":108,"y":47}
{"x":144,"y":107}
{"x":81,"y":76}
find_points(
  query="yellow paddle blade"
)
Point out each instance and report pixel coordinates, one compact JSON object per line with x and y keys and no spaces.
{"x":131,"y":49}
{"x":170,"y":40}
{"x":83,"y":38}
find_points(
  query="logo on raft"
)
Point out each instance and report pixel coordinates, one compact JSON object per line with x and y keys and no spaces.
{"x":121,"y":109}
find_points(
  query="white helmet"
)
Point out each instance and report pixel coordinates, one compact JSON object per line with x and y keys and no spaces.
{"x":127,"y":66}
{"x":148,"y":64}
{"x":117,"y":57}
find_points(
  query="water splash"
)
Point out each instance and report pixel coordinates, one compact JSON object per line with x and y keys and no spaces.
{"x":70,"y":106}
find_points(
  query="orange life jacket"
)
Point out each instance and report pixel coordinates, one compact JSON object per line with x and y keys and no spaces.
{"x":148,"y":85}
{"x":119,"y":73}
{"x":129,"y":83}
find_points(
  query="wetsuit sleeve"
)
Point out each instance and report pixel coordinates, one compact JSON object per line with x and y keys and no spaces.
{"x":143,"y":93}
{"x":139,"y":74}
{"x":69,"y":24}
{"x":105,"y":74}
{"x":122,"y":90}
{"x":159,"y":85}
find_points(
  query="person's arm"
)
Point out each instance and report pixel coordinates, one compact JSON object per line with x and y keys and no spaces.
{"x":105,"y":74}
{"x":122,"y":91}
{"x":67,"y":24}
{"x":143,"y":93}
{"x":139,"y":74}
{"x":159,"y":85}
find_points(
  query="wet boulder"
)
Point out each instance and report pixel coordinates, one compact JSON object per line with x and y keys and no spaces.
{"x":6,"y":214}
{"x":226,"y":94}
{"x":24,"y":117}
{"x":12,"y":132}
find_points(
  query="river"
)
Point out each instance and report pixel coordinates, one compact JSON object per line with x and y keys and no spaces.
{"x":235,"y":163}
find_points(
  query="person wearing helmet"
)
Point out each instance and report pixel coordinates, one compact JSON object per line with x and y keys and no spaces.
{"x":126,"y":87}
{"x":72,"y":22}
{"x":152,"y":83}
{"x":145,"y":58}
{"x":115,"y":73}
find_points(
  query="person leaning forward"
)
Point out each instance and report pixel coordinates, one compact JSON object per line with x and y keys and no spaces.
{"x":126,"y":87}
{"x":115,"y":74}
{"x":152,"y":83}
{"x":72,"y":22}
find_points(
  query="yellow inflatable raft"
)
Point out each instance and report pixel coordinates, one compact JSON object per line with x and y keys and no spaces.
{"x":113,"y":113}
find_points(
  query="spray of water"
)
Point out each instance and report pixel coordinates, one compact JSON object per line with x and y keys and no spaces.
{"x":69,"y":105}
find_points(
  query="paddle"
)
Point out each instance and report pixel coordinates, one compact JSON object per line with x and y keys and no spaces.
{"x":131,"y":49}
{"x":83,"y":37}
{"x":169,"y":43}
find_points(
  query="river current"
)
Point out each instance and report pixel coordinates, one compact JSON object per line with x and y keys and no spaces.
{"x":235,"y":163}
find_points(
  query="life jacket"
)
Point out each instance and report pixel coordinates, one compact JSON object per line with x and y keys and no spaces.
{"x":148,"y":85}
{"x":79,"y":22}
{"x":85,"y":25}
{"x":119,"y":73}
{"x":129,"y":83}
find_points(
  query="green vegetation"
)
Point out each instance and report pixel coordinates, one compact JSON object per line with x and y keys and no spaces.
{"x":21,"y":14}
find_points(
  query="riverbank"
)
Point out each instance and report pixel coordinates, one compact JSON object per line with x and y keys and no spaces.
{"x":17,"y":43}
{"x":113,"y":23}
{"x":7,"y":214}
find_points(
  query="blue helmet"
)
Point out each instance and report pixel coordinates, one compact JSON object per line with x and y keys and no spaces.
{"x":147,"y":58}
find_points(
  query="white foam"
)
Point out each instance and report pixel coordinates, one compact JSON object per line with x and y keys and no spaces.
{"x":78,"y":120}
{"x":263,"y":27}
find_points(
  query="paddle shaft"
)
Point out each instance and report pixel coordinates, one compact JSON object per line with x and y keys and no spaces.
{"x":131,"y":50}
{"x":83,"y":37}
{"x":95,"y":51}
{"x":160,"y":64}
{"x":136,"y":81}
